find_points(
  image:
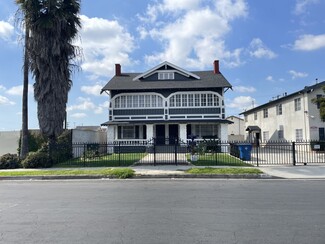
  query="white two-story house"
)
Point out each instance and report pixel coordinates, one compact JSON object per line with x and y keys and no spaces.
{"x":166,"y":102}
{"x":292,"y":117}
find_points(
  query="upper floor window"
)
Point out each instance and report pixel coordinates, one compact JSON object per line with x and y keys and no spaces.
{"x":297,"y":104}
{"x":166,"y":76}
{"x":194,"y":100}
{"x":279,"y":109}
{"x":255,"y":116}
{"x":265,"y":113}
{"x":138,"y":101}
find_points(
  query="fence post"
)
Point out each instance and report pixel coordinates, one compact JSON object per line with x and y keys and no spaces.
{"x":176,"y":142}
{"x":119,"y":153}
{"x":85,"y":147}
{"x":154,"y":151}
{"x":294,"y":153}
{"x":257,"y":155}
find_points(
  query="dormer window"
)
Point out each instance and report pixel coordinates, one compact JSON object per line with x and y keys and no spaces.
{"x":166,"y":76}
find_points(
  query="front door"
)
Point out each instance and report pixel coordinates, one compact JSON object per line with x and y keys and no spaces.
{"x":322,"y":134}
{"x":160,"y":134}
{"x":173,"y":133}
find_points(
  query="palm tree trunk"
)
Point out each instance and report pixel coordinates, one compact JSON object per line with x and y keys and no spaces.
{"x":24,"y":133}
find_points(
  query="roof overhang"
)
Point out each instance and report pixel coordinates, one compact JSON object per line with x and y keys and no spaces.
{"x":253,"y":128}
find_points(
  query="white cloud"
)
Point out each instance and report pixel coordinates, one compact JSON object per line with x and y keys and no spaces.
{"x":83,"y":104}
{"x":301,"y":5}
{"x":18,"y":90}
{"x":270,"y":78}
{"x":92,"y":90}
{"x":309,"y":42}
{"x":296,"y":74}
{"x":242,"y":102}
{"x":78,"y":115}
{"x":86,"y":104}
{"x":244,"y":89}
{"x":104,"y":43}
{"x":168,"y":6}
{"x":6,"y":30}
{"x":5,"y":101}
{"x":2,"y":88}
{"x":258,"y":49}
{"x":194,"y":35}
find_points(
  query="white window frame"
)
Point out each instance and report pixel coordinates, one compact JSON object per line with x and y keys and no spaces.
{"x":279,"y":109}
{"x":166,"y":75}
{"x":265,"y":113}
{"x":266,"y":136}
{"x":299,"y":135}
{"x":297,"y":102}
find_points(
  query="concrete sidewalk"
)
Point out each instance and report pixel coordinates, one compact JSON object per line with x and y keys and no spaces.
{"x":286,"y":172}
{"x":173,"y":171}
{"x":296,"y":172}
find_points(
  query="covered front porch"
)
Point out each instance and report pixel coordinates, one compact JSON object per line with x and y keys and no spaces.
{"x":166,"y":133}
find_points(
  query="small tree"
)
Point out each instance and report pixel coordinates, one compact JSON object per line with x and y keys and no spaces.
{"x":321,"y":102}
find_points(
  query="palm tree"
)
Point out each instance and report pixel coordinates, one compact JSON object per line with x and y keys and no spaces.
{"x":24,"y":132}
{"x":53,"y":26}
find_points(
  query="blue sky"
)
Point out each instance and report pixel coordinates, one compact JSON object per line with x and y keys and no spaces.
{"x":265,"y":48}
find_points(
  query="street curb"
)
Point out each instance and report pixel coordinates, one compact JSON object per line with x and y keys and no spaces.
{"x":139,"y":176}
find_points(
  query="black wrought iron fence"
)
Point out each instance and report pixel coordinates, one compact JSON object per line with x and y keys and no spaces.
{"x":196,"y":152}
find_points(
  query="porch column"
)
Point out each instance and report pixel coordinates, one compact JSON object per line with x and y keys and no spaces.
{"x":223,"y":135}
{"x":182,"y":132}
{"x":149,"y":131}
{"x":111,"y":133}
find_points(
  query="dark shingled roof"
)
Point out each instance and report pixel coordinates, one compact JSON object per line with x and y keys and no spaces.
{"x":207,"y":80}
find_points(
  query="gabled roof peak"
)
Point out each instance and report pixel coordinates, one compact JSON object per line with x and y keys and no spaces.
{"x":159,"y":66}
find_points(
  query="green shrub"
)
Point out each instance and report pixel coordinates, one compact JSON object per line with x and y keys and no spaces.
{"x":9,"y":161}
{"x":63,"y":147}
{"x":37,"y":159}
{"x":35,"y":141}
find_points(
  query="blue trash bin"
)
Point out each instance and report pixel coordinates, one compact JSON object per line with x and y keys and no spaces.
{"x":245,"y":150}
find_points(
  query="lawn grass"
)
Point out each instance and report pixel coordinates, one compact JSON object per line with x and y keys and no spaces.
{"x":121,"y":173}
{"x":221,"y":171}
{"x":218,"y":159}
{"x":109,"y":160}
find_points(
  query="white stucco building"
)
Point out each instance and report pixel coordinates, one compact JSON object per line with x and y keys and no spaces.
{"x":291,"y":117}
{"x":236,"y":130}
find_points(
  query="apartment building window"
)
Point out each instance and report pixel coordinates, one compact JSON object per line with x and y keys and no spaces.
{"x":245,"y":118}
{"x":299,"y":136}
{"x":265,"y":113}
{"x":297,"y":104}
{"x":280,"y":134}
{"x":279,"y":109}
{"x":318,"y":97}
{"x":266,"y":135}
{"x":255,"y":116}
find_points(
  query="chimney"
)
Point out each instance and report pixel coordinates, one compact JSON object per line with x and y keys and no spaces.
{"x":117,"y":70}
{"x":216,"y":67}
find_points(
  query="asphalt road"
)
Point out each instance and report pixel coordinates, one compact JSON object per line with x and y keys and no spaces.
{"x":162,"y":211}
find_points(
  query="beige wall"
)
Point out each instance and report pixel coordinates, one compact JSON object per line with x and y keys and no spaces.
{"x":9,"y":142}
